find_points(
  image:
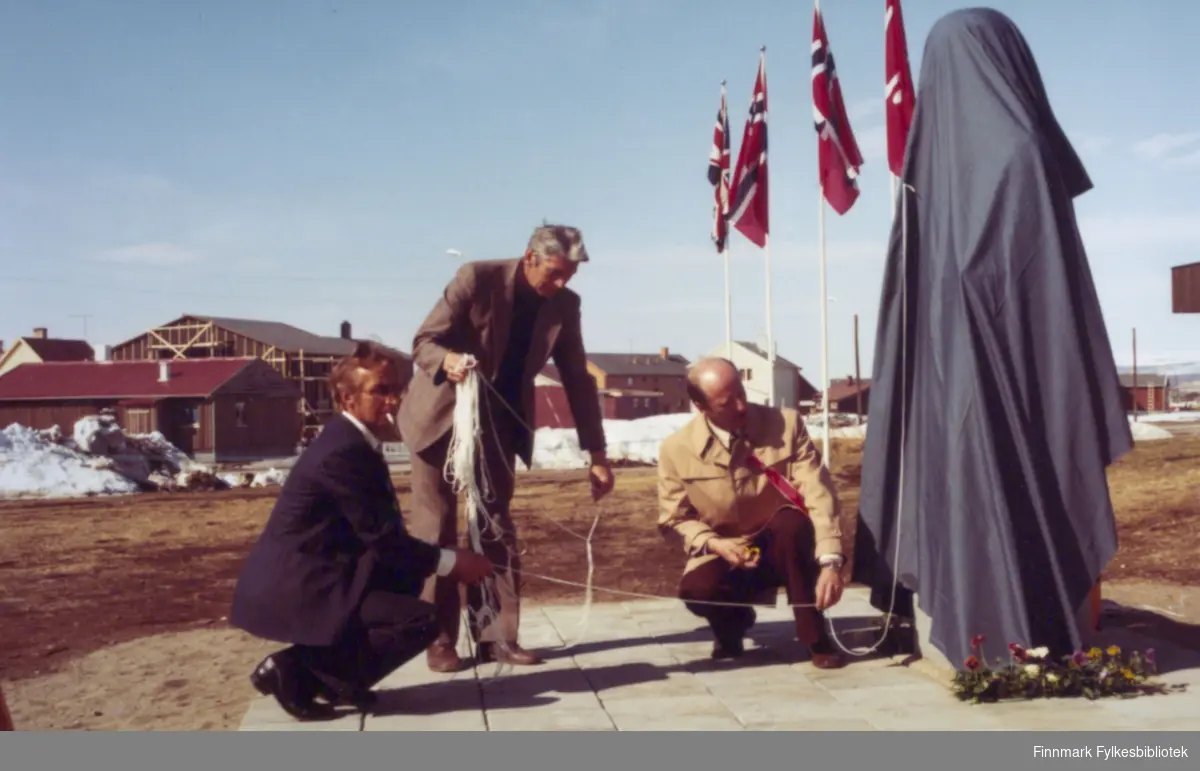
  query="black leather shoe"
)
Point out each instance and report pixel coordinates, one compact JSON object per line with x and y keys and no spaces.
{"x":278,"y":676}
{"x":730,"y":643}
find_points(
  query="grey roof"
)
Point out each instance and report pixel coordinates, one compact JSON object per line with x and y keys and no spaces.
{"x":629,"y":364}
{"x":1144,"y":380}
{"x":757,"y":351}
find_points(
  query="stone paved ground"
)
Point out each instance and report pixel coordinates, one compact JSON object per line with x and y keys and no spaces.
{"x":644,"y":666}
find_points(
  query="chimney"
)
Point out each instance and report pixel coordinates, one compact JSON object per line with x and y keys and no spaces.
{"x":664,"y":352}
{"x":346,"y":330}
{"x":39,"y":333}
{"x":164,"y":371}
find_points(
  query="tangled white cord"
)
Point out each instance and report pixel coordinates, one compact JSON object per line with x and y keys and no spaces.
{"x":467,"y":473}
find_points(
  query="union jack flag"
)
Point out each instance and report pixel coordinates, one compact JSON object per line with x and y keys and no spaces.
{"x":718,"y":175}
{"x":750,"y":214}
{"x":839,"y":157}
{"x":899,"y":99}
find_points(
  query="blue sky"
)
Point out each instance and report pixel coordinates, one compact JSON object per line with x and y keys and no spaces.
{"x":312,"y":162}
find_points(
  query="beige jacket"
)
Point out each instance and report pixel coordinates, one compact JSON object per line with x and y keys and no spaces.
{"x":704,"y":492}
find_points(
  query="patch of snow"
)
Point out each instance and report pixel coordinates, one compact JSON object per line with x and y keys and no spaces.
{"x":99,"y":458}
{"x":1148,"y":432}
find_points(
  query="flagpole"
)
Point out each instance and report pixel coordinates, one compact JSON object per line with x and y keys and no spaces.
{"x":770,"y":333}
{"x":728,"y":303}
{"x":824,"y":325}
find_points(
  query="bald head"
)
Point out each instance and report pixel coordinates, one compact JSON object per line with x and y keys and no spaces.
{"x":715,"y":386}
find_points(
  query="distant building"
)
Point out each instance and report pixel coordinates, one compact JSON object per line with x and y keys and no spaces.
{"x":1151,"y":393}
{"x":211,"y":409}
{"x":1185,"y":288}
{"x":297,"y":354}
{"x":754,"y":365}
{"x":553,"y":410}
{"x":844,"y":395}
{"x":40,"y":348}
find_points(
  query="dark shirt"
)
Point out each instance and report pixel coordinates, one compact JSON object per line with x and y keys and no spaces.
{"x":509,"y":379}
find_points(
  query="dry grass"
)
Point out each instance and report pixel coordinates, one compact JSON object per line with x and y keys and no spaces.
{"x":112,"y":614}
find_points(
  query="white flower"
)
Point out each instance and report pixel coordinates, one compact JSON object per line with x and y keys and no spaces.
{"x":1032,"y":670}
{"x":1051,"y":677}
{"x":1038,"y":653}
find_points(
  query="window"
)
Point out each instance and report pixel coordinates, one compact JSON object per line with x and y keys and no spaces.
{"x":239,"y":411}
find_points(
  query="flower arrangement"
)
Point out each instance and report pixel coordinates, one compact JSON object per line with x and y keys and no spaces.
{"x":1031,"y":674}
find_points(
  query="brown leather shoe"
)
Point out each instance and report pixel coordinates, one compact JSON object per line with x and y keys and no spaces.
{"x":512,"y":654}
{"x":825,"y":655}
{"x":442,"y":657}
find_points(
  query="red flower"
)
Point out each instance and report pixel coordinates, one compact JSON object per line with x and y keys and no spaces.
{"x":1017,"y":651}
{"x":977,"y":640}
{"x":972,"y":663}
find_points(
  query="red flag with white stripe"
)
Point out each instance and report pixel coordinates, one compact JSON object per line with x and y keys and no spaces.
{"x":838,"y":158}
{"x":749,"y":213}
{"x":900,"y":99}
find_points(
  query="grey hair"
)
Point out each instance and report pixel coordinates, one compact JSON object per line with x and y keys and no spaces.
{"x":558,"y":241}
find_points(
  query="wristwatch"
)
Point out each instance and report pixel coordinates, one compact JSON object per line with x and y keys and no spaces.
{"x":834,"y":561}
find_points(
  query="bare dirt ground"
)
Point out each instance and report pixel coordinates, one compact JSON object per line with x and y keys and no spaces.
{"x":113,"y":610}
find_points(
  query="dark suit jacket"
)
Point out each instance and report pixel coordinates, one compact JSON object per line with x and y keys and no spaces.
{"x":473,"y":316}
{"x":335,"y":522}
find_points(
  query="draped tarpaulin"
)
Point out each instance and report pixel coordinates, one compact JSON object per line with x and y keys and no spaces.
{"x":995,"y":400}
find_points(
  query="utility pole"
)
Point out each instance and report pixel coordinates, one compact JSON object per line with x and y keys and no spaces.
{"x":857,"y":376}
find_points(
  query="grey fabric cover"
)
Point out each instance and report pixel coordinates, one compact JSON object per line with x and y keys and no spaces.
{"x":995,"y":404}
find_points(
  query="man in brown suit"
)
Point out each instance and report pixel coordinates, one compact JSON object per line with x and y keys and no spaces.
{"x":512,"y":316}
{"x":731,"y":484}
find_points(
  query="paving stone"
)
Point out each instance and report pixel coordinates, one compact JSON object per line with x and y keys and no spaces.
{"x":265,"y":714}
{"x":645,"y":666}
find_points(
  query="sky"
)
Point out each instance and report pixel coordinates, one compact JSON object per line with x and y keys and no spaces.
{"x":313,"y":162}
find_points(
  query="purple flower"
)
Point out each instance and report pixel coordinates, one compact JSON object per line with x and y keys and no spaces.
{"x":1150,"y":656}
{"x":1079,"y":658}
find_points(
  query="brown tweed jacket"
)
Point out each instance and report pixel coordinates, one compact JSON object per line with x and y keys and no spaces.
{"x":473,"y":316}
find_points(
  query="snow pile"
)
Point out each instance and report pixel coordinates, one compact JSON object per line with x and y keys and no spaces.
{"x":272,"y":476}
{"x":1148,"y":432}
{"x":636,"y":442}
{"x":99,"y":458}
{"x":41,"y":464}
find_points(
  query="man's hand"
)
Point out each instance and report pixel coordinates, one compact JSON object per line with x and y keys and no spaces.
{"x":734,"y":553}
{"x":469,"y":567}
{"x":601,"y":476}
{"x":456,"y":366}
{"x":829,"y":587}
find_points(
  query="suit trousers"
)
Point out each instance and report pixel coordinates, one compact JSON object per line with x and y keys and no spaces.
{"x":433,"y":517}
{"x":787,"y":559}
{"x":389,"y":627}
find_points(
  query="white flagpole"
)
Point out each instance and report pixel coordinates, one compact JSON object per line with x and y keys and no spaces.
{"x":824,"y":325}
{"x":893,"y":180}
{"x":728,"y":302}
{"x":770,"y":333}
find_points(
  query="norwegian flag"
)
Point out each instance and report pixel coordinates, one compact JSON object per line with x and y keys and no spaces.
{"x":899,"y":97}
{"x":718,"y":175}
{"x":839,"y":158}
{"x":750,"y":214}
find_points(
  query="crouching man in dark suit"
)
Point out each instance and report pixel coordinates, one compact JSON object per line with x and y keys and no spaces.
{"x":335,"y":573}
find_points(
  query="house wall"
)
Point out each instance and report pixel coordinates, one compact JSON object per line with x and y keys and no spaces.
{"x":1185,"y":288}
{"x":1147,"y":398}
{"x":849,"y":404}
{"x":631,"y":407}
{"x":672,"y":387}
{"x":19,"y":354}
{"x":756,"y":378}
{"x":252,"y":427}
{"x":551,"y":408}
{"x":42,"y":415}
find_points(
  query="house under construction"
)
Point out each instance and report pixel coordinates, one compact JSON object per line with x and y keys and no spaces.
{"x":296,"y":354}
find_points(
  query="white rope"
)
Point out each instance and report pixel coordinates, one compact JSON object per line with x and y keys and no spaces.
{"x":467,"y":472}
{"x":887,"y":620}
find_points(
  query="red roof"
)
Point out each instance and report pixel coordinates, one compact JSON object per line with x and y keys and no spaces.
{"x":190,"y":378}
{"x":60,"y":349}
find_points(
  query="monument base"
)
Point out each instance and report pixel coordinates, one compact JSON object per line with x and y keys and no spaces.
{"x":1087,"y":617}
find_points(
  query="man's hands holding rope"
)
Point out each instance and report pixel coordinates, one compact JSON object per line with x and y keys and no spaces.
{"x":457,"y":365}
{"x":829,"y":586}
{"x":601,"y":476}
